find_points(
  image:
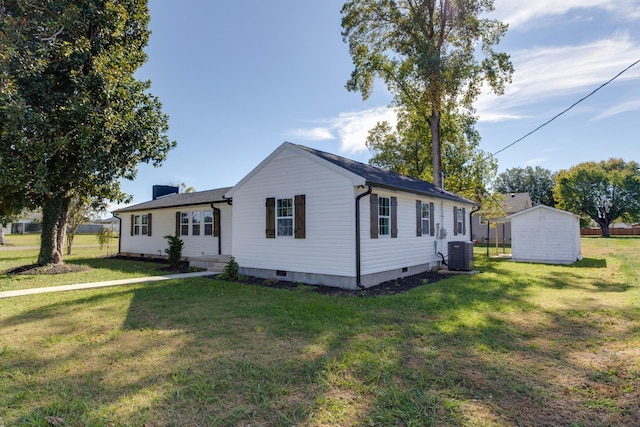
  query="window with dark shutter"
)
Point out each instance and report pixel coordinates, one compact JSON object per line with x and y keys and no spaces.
{"x":300,"y":214}
{"x":373,"y":213}
{"x":394,"y":217}
{"x":270,"y":229}
{"x":455,"y":220}
{"x":178,"y":216}
{"x":418,"y":218}
{"x":464,"y":221}
{"x":133,"y":219}
{"x":149,"y":224}
{"x":432,"y":227}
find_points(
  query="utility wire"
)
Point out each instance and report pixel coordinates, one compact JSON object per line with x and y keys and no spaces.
{"x":566,"y":109}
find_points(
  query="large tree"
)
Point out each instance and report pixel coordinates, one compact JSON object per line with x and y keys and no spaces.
{"x":74,"y":118}
{"x":538,"y":182}
{"x":467,"y":169}
{"x":433,"y":55}
{"x":603,"y":191}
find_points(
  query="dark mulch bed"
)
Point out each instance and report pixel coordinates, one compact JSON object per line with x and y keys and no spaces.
{"x":47,"y":269}
{"x":391,"y":287}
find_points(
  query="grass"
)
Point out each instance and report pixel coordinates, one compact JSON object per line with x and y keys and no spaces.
{"x":85,"y":251}
{"x":519,"y":344}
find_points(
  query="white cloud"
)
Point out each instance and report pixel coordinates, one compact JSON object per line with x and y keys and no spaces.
{"x":559,"y":71}
{"x":619,"y":109}
{"x":518,"y":13}
{"x":536,"y":161}
{"x":351,"y":128}
{"x":313,"y":134}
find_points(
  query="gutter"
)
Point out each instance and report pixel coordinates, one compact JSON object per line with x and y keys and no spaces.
{"x":119,"y":232}
{"x":358,"y":257}
{"x":229,"y":202}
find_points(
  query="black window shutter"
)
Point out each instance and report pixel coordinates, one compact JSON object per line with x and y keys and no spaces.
{"x":464,"y":221}
{"x":178,"y":224}
{"x":300,"y":226}
{"x":455,"y":220}
{"x":149,"y":224}
{"x":432,"y":228}
{"x":373,"y":214}
{"x":394,"y":217}
{"x":418,"y":218}
{"x":133,"y":218}
{"x":216,"y":223}
{"x":270,"y":218}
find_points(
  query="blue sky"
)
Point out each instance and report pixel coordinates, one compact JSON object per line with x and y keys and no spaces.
{"x":239,"y":78}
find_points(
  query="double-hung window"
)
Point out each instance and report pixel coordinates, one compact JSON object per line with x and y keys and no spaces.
{"x":426,"y":218}
{"x":136,"y":225}
{"x":208,"y":223}
{"x":184,"y":223}
{"x":284,"y":217}
{"x":384,"y":216}
{"x":144,"y":228}
{"x":195,"y":223}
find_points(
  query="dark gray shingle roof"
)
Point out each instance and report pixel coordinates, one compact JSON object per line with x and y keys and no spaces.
{"x":184,"y":199}
{"x":384,"y":178}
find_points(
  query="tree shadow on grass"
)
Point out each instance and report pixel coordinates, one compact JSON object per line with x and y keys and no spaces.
{"x":465,"y":350}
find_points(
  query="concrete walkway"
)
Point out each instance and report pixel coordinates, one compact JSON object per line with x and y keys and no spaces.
{"x":133,"y":280}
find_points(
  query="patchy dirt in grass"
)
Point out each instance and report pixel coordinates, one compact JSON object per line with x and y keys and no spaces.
{"x":391,"y":287}
{"x":33,"y":269}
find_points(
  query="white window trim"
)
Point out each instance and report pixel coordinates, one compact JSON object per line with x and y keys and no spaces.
{"x":459,"y":221}
{"x":381,"y":216}
{"x":425,"y":208}
{"x":205,"y":222}
{"x":287,"y":217}
{"x":195,"y":223}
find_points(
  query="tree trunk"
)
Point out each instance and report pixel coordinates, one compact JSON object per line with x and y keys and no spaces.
{"x":1,"y":235}
{"x":50,"y":211}
{"x":54,"y":222}
{"x":604,"y":227}
{"x":436,"y":148}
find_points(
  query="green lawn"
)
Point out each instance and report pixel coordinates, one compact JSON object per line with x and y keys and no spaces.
{"x":518,"y":344}
{"x":85,"y":252}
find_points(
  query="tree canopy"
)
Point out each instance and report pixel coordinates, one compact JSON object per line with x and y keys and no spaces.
{"x":433,"y":55}
{"x":603,"y":191}
{"x":467,"y":168}
{"x":74,"y":118}
{"x":538,"y":182}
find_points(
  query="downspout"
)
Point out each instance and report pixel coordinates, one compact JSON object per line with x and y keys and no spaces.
{"x":358,"y":259}
{"x":119,"y":233}
{"x":230,"y":203}
{"x":471,"y":221}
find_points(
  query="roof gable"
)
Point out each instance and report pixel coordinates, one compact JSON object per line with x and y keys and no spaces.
{"x":542,"y":207}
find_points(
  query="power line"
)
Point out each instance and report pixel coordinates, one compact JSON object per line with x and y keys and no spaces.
{"x":566,"y":109}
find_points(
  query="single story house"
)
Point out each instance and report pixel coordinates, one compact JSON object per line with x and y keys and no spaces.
{"x":483,"y":232}
{"x":309,"y":216}
{"x":546,"y":235}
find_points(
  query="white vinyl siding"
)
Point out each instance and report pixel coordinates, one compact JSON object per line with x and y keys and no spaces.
{"x":164,"y":223}
{"x":546,"y":235}
{"x":407,"y":249}
{"x":329,"y":243}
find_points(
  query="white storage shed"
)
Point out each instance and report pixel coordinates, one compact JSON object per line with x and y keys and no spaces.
{"x":545,"y":234}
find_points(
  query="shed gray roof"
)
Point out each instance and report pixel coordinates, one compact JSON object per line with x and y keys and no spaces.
{"x":384,"y":178}
{"x":184,"y":199}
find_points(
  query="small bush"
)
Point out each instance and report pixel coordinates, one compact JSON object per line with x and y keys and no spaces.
{"x":230,"y":271}
{"x":174,"y":251}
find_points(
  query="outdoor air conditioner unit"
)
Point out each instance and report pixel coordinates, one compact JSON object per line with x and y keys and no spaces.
{"x":461,"y":256}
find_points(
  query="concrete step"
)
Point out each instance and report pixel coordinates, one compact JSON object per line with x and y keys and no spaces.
{"x":210,"y":263}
